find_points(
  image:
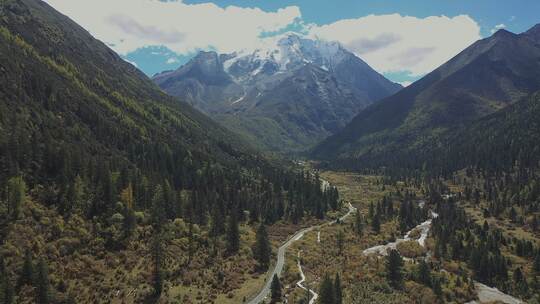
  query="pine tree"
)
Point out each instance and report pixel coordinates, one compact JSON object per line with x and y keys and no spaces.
{"x":8,"y":292}
{"x":326,"y":291}
{"x":16,"y":196}
{"x":27,"y":273}
{"x":338,"y":290}
{"x":275,"y":289}
{"x":359,"y":223}
{"x":394,"y":264}
{"x":5,"y":284}
{"x":371,"y":211}
{"x":217,"y":228}
{"x":437,"y":289}
{"x":262,"y":249}
{"x":157,"y":259}
{"x":43,"y":293}
{"x":158,"y":210}
{"x":340,"y":241}
{"x":423,"y":273}
{"x":376,"y":223}
{"x":536,"y":263}
{"x":520,"y":283}
{"x":127,"y":198}
{"x":233,"y":234}
{"x":78,"y":194}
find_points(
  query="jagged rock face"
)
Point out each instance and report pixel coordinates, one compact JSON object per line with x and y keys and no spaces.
{"x":296,"y":93}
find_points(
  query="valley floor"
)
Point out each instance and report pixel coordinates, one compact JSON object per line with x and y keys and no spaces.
{"x":319,"y":252}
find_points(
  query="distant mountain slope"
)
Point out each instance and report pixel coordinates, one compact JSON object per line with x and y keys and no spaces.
{"x":48,"y":60}
{"x":507,"y":138}
{"x":98,"y":164}
{"x":487,"y":76}
{"x":286,"y":98}
{"x":70,"y":106}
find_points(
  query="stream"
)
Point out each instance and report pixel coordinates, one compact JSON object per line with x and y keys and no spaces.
{"x":484,"y":293}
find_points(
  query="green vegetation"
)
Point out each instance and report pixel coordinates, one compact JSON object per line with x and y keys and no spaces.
{"x":275,"y":289}
{"x":262,"y":249}
{"x":394,"y":264}
{"x":421,"y":127}
{"x":326,"y":291}
{"x":373,"y":278}
{"x":120,"y":192}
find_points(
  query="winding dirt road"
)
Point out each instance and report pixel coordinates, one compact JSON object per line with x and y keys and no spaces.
{"x":278,"y":267}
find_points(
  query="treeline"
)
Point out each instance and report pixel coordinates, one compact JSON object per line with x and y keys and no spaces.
{"x":459,"y":238}
{"x":77,"y":181}
{"x":32,"y":274}
{"x":409,"y":214}
{"x":513,"y":132}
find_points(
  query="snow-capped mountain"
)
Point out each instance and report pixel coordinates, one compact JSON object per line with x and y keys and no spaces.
{"x":299,"y":90}
{"x":290,"y":53}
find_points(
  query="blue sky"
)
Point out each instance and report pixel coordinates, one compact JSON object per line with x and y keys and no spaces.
{"x":487,"y":13}
{"x":411,"y":37}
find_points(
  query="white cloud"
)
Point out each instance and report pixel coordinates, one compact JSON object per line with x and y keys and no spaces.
{"x":184,"y":28}
{"x":405,"y":83}
{"x":393,"y":43}
{"x":498,"y":27}
{"x":172,"y":60}
{"x":389,"y":43}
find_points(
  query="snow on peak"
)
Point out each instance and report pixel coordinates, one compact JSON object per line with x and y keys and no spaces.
{"x":290,"y":51}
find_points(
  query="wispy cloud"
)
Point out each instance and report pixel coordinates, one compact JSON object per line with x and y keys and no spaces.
{"x":498,"y":27}
{"x":367,"y":45}
{"x":147,"y":32}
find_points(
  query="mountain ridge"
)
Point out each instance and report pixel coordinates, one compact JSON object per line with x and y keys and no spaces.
{"x":487,"y":76}
{"x":297,"y":76}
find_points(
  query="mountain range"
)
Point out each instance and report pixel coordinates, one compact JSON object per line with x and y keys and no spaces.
{"x":485,"y":78}
{"x":284,"y":98}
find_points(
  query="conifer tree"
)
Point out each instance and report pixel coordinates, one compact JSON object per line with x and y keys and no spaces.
{"x":16,"y":196}
{"x":394,"y":264}
{"x":27,"y":273}
{"x":338,"y":290}
{"x":340,"y":241}
{"x":326,"y":291}
{"x":157,"y":259}
{"x":536,"y":263}
{"x":359,"y":223}
{"x":520,"y":283}
{"x":5,"y":284}
{"x":217,"y":228}
{"x":158,"y":210}
{"x":8,"y":293}
{"x":262,"y":249}
{"x":127,"y":198}
{"x":275,"y":289}
{"x":43,"y":292}
{"x":376,"y":223}
{"x":423,"y":273}
{"x":233,"y":234}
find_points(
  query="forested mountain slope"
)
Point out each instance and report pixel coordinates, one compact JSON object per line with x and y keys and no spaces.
{"x":96,"y":163}
{"x":486,"y":77}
